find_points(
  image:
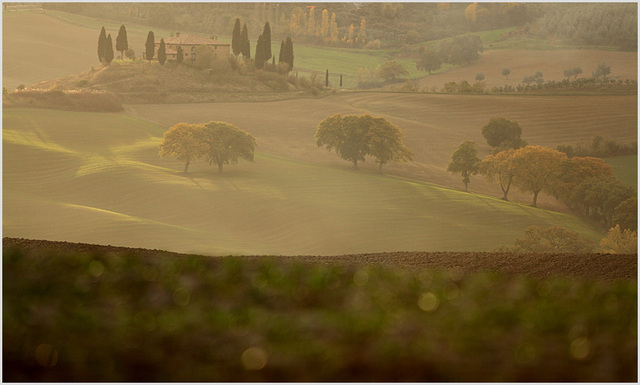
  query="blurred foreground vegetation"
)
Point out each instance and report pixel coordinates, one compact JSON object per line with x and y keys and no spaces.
{"x":119,"y":316}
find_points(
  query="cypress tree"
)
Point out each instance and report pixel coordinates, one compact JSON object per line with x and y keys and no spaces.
{"x":236,"y":39}
{"x":102,"y":42}
{"x":150,"y":46}
{"x":266,"y":37}
{"x":281,"y":54}
{"x":122,"y":43}
{"x":108,"y":51}
{"x":326,"y":79}
{"x":288,"y":58}
{"x":245,"y":47}
{"x":179,"y":55}
{"x":162,"y":52}
{"x":259,"y":57}
{"x":340,"y":80}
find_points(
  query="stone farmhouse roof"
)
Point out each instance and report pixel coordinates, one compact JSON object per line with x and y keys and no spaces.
{"x":188,"y":39}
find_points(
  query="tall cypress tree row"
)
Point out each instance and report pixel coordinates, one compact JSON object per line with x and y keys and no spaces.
{"x":236,"y":39}
{"x":150,"y":46}
{"x":108,"y":51}
{"x":162,"y":52}
{"x":102,"y":42}
{"x":246,"y":45}
{"x":122,"y":43}
{"x":266,"y":36}
{"x":281,"y":54}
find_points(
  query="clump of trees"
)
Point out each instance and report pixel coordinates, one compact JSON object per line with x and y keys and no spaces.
{"x":218,"y":143}
{"x":457,"y":51}
{"x":105,"y":47}
{"x":354,"y":137}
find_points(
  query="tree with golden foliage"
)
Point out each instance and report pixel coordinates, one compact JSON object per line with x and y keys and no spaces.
{"x":385,"y":142}
{"x":333,"y":29}
{"x":620,"y":241}
{"x":576,"y":170}
{"x":499,"y":167}
{"x":537,"y":168}
{"x":226,"y":143}
{"x":351,"y":35}
{"x":470,"y":13}
{"x":311,"y":24}
{"x":362,"y":33}
{"x":324,"y":26}
{"x":183,"y":142}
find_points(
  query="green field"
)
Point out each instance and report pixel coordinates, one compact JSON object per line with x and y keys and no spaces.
{"x":96,"y":178}
{"x":625,"y":168}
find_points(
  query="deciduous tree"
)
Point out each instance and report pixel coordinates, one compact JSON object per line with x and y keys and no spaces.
{"x":502,"y":134}
{"x":390,"y":70}
{"x":537,"y":168}
{"x":347,"y":135}
{"x":183,"y":142}
{"x":464,"y":161}
{"x":385,"y":143}
{"x":506,"y":72}
{"x":626,"y":214}
{"x":573,"y":172}
{"x":227,"y":143}
{"x":553,"y":239}
{"x":620,"y":241}
{"x":122,"y":43}
{"x":499,"y":167}
{"x":333,"y":29}
{"x":429,"y":61}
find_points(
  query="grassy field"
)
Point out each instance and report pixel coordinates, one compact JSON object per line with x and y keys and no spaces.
{"x":96,"y":178}
{"x":625,"y":168}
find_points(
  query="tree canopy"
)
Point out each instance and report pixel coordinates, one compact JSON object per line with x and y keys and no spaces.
{"x":108,"y":50}
{"x":227,"y":143}
{"x":429,"y":61}
{"x":464,"y":161}
{"x":183,"y":142}
{"x":355,"y":136}
{"x":102,"y":43}
{"x":537,"y":168}
{"x":499,"y":167}
{"x":236,"y":39}
{"x":502,"y":134}
{"x":391,"y":69}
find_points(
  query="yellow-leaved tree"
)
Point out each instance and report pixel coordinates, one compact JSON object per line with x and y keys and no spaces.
{"x":620,"y":241}
{"x":537,"y":168}
{"x":183,"y":142}
{"x":499,"y":167}
{"x":227,"y":143}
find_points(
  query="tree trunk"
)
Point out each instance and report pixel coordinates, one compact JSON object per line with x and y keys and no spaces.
{"x":355,"y":164}
{"x":186,"y":166}
{"x":220,"y":167}
{"x":380,"y":168}
{"x":535,"y":199}
{"x":465,"y":186}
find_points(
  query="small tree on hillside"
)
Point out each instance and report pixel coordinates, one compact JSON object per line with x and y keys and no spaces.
{"x":602,"y":70}
{"x":390,"y":70}
{"x":179,"y":55}
{"x":499,"y":167}
{"x":506,"y":72}
{"x":108,"y":51}
{"x":576,"y":71}
{"x":162,"y":52}
{"x":620,"y":241}
{"x":464,"y":161}
{"x":236,"y":39}
{"x":183,"y":142}
{"x":553,"y":239}
{"x":347,"y":135}
{"x":288,"y":56}
{"x":385,"y":142}
{"x":227,"y":143}
{"x":479,"y":77}
{"x":259,"y":56}
{"x":429,"y":61}
{"x":150,"y":46}
{"x":502,"y":134}
{"x":102,"y":43}
{"x":122,"y":43}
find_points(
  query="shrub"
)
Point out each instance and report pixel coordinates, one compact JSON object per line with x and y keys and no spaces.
{"x":553,"y":239}
{"x":77,"y":100}
{"x":130,"y":54}
{"x":373,"y":44}
{"x":274,"y":80}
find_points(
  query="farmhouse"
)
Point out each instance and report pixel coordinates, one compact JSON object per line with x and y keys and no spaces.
{"x":189,"y":43}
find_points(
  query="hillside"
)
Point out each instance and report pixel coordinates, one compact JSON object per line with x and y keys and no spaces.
{"x":104,"y":183}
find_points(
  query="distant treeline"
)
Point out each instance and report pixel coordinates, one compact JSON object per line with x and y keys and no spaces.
{"x":593,"y":24}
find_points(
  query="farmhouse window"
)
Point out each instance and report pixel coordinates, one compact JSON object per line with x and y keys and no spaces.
{"x":193,"y":49}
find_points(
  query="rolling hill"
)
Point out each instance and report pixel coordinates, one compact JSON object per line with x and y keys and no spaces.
{"x":96,"y":178}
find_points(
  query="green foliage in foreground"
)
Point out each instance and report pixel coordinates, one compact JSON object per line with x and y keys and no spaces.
{"x":123,"y":317}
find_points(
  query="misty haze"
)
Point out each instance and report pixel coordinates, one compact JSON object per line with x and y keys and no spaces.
{"x":319,"y":192}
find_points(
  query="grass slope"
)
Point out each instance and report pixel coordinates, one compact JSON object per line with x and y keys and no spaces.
{"x":625,"y":168}
{"x":96,"y":178}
